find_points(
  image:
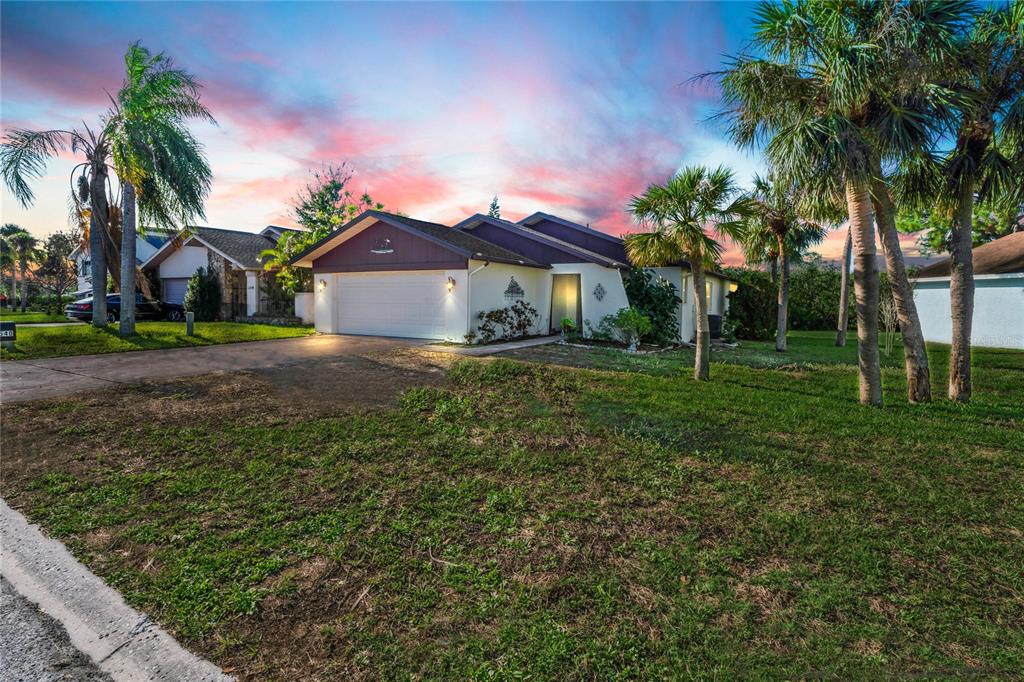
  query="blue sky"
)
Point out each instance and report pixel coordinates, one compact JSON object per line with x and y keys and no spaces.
{"x":568,"y":108}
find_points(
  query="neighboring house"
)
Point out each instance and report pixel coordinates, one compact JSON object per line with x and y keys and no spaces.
{"x":145,"y":246}
{"x":246,"y":288}
{"x":998,"y":296}
{"x":388,"y":275}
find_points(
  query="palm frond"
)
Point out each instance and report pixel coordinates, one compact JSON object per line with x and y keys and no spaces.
{"x":23,"y":157}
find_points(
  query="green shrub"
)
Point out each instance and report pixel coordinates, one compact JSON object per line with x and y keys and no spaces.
{"x":203,"y":295}
{"x":814,"y":296}
{"x":657,"y":299}
{"x":752,"y":306}
{"x":630,"y":325}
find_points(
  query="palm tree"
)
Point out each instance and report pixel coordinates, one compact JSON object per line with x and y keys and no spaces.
{"x":23,"y":156}
{"x":160,"y":164}
{"x":678,"y":214}
{"x":279,"y":259}
{"x":987,"y":161}
{"x":837,"y":94}
{"x":7,"y":259}
{"x":775,"y":228}
{"x":26,"y":250}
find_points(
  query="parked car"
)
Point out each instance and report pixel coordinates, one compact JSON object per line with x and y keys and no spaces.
{"x":145,"y":309}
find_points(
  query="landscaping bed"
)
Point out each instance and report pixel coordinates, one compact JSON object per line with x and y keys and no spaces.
{"x":49,"y":342}
{"x":526,"y":521}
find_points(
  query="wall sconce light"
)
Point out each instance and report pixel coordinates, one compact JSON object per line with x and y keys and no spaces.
{"x":323,"y":284}
{"x":450,"y":283}
{"x":733,"y":286}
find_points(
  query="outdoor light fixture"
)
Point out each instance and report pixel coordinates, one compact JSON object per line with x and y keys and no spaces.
{"x":733,"y":286}
{"x":450,"y":283}
{"x":323,"y":284}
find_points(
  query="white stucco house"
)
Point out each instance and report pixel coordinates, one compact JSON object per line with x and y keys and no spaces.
{"x":389,"y":275}
{"x":998,"y":296}
{"x":246,"y":287}
{"x":145,"y":246}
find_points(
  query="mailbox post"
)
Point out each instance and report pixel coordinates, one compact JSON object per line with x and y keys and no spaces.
{"x":8,"y":334}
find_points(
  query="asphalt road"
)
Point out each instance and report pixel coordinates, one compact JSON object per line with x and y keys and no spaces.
{"x":35,"y":648}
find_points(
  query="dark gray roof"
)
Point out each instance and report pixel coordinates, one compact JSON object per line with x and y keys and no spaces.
{"x":1002,"y":256}
{"x":476,"y":247}
{"x":242,"y":247}
{"x":466,"y":244}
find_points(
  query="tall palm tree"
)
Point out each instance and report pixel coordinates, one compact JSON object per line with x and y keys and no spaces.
{"x":987,"y":161}
{"x":26,"y":250}
{"x":680,"y":213}
{"x":838,"y":93}
{"x":279,"y":259}
{"x":23,"y":157}
{"x":774,"y":227}
{"x":160,"y":164}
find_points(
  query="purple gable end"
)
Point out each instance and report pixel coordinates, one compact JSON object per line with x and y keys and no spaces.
{"x":611,"y":248}
{"x":542,"y":253}
{"x":384,"y":247}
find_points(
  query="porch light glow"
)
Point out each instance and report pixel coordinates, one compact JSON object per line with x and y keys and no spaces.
{"x":323,"y":284}
{"x":733,"y":286}
{"x":450,"y":283}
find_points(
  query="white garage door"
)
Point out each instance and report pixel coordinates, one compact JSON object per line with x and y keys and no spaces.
{"x":407,"y":304}
{"x":174,"y":289}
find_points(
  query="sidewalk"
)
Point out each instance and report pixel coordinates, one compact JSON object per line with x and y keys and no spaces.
{"x":119,"y":640}
{"x":491,"y":348}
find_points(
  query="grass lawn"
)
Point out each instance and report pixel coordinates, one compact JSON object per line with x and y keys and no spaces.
{"x":529,"y":521}
{"x":50,"y":342}
{"x":30,"y":317}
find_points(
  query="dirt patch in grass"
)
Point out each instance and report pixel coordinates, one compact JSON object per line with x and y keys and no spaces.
{"x":36,"y":434}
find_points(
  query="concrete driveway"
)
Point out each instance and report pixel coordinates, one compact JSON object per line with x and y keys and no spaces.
{"x":31,"y":379}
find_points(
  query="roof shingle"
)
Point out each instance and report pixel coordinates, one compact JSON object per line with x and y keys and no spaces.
{"x":1002,"y":256}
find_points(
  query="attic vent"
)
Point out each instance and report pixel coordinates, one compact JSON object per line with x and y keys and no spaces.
{"x":514,"y":292}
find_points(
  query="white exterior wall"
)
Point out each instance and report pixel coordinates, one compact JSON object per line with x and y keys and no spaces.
{"x":591,"y":275}
{"x":487,"y":290}
{"x":305,"y":306}
{"x":998,"y":310}
{"x":184,"y":262}
{"x":325,"y":302}
{"x":680,"y":277}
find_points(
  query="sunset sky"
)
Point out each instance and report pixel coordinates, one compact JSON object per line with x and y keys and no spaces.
{"x":564,"y":108}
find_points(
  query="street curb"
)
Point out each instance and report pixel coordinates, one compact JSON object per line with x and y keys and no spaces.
{"x":123,"y":642}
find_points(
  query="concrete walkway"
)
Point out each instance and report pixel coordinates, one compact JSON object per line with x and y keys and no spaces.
{"x":32,"y":379}
{"x":119,"y":640}
{"x":490,"y":349}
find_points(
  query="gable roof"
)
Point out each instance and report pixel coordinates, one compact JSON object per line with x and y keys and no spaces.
{"x":242,"y":249}
{"x":463,"y":243}
{"x":1002,"y":256}
{"x":540,"y":215}
{"x":533,"y":235}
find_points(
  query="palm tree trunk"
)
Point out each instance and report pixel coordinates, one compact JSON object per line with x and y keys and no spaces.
{"x":844,"y":290}
{"x":14,"y":285}
{"x":782,"y":306}
{"x":915,"y":358}
{"x":961,"y":296}
{"x":97,"y":249}
{"x":702,"y":363}
{"x":127,"y":319}
{"x":775,"y":272}
{"x":24,"y":283}
{"x":865,"y":291}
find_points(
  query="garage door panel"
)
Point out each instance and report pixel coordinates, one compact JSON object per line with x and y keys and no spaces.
{"x":173,"y":289}
{"x":392,"y":304}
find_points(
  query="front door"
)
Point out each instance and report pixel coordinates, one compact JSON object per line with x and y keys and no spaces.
{"x":566,"y":301}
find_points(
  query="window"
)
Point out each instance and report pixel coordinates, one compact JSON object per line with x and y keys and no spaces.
{"x":707,"y":288}
{"x":685,"y":288}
